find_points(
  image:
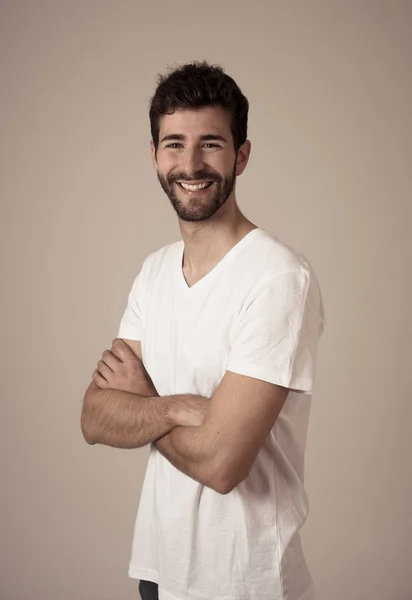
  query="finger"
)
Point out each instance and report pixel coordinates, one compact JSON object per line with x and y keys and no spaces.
{"x":104,"y":370}
{"x":99,"y":380}
{"x":122,"y":350}
{"x":110,"y":359}
{"x":116,"y":350}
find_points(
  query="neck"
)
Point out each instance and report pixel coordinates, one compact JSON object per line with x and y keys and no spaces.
{"x":206,"y":242}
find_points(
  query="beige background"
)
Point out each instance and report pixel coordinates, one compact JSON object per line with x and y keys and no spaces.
{"x":329,"y":85}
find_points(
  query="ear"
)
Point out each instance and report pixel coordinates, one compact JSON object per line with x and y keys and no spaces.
{"x":243,"y":157}
{"x":153,"y":152}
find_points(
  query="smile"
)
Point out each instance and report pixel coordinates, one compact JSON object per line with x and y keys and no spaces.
{"x":195,"y":187}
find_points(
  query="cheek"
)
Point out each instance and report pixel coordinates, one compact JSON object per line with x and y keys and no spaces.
{"x":223,"y":167}
{"x":166,"y":164}
{"x":226,"y":162}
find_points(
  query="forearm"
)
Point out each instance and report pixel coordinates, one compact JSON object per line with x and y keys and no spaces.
{"x":124,"y":420}
{"x":190,"y":450}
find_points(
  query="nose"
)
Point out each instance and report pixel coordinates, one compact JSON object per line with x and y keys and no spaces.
{"x":192,"y":160}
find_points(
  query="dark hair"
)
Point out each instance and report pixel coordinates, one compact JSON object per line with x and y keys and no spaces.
{"x":196,"y":85}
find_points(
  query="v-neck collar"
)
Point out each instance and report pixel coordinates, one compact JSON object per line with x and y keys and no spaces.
{"x":226,"y":258}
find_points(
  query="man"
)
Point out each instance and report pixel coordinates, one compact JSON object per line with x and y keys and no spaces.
{"x":214,"y":367}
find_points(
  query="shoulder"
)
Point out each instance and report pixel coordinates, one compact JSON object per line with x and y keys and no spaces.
{"x":162,"y":257}
{"x":272,"y":256}
{"x":278,"y":264}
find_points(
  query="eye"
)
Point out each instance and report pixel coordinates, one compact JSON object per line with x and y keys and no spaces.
{"x":173,"y":145}
{"x":210,"y":145}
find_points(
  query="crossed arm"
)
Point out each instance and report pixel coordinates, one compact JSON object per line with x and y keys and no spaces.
{"x":214,"y":441}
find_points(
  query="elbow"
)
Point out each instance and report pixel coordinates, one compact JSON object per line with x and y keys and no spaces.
{"x":89,"y":439}
{"x":225,"y":485}
{"x":88,"y":416}
{"x":226,"y":478}
{"x":87,"y":430}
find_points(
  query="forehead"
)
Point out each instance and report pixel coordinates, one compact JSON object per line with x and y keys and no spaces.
{"x":201,"y":121}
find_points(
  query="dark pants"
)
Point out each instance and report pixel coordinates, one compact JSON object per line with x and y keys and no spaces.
{"x":148,"y":590}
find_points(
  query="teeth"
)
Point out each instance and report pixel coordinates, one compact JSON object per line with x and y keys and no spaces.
{"x":194,"y":188}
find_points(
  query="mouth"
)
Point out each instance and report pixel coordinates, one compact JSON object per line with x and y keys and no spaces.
{"x":195,"y":188}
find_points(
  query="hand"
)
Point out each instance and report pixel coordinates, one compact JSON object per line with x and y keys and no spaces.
{"x":189,"y":411}
{"x":120,"y":369}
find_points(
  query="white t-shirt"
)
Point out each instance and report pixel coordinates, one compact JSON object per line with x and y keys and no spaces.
{"x":258,"y":313}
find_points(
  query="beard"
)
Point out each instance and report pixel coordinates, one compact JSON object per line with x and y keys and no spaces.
{"x":198,"y":208}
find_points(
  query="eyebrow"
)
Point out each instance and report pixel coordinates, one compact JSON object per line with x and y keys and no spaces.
{"x":204,"y":138}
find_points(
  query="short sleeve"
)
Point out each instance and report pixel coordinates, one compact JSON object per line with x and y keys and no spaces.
{"x":131,"y":322}
{"x":276,"y":335}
